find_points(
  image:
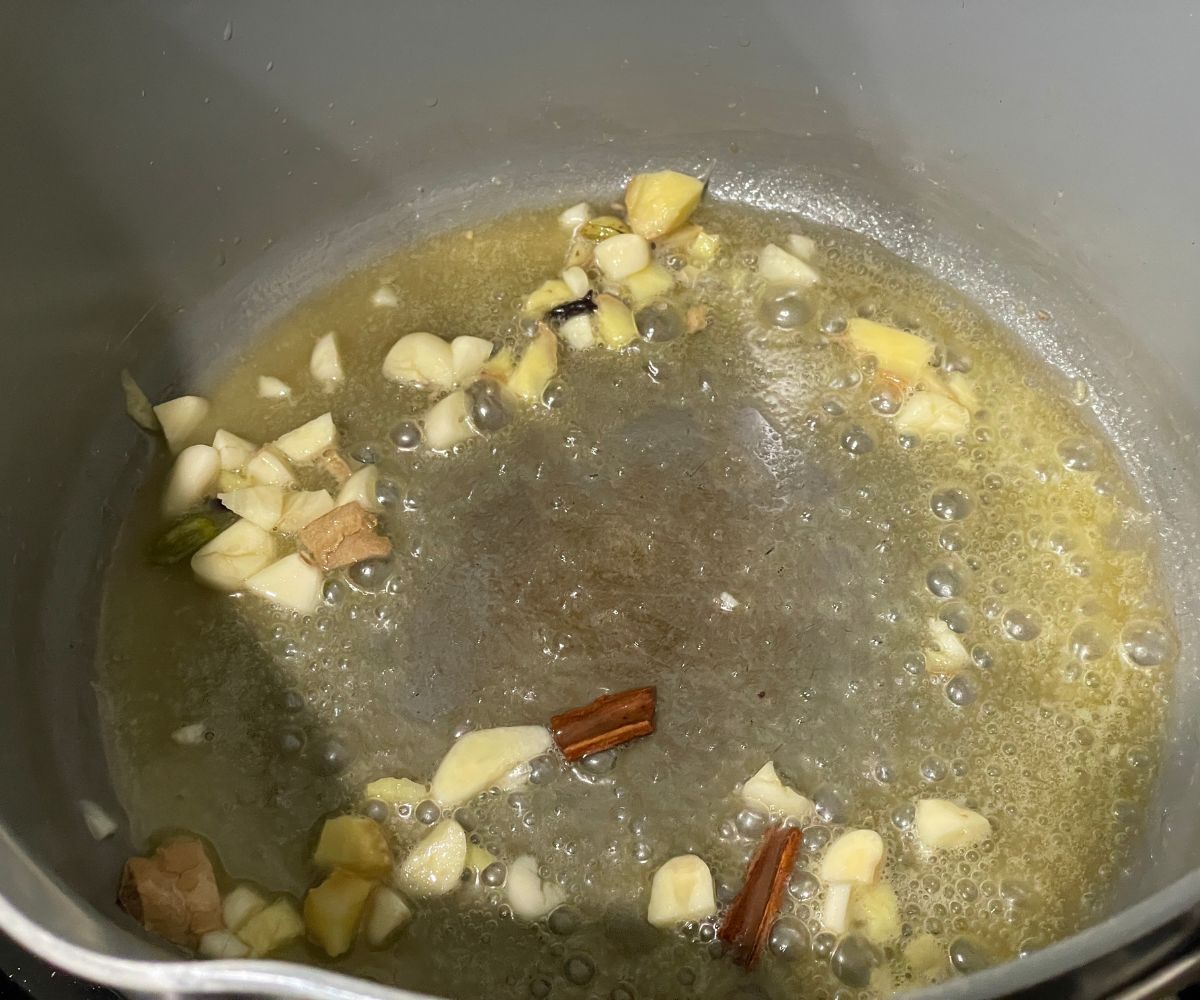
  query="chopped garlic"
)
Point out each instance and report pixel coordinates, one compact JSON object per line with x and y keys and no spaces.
{"x":269,"y":468}
{"x":945,"y":652}
{"x":99,"y":823}
{"x":448,"y":422}
{"x":270,"y":387}
{"x":482,"y":759}
{"x":290,"y":582}
{"x":778,"y":266}
{"x":180,"y":418}
{"x":435,"y":866}
{"x":766,"y":790}
{"x":801,"y":246}
{"x":191,"y":735}
{"x":222,"y":944}
{"x":240,"y":905}
{"x":467,"y":357}
{"x":306,"y":443}
{"x":943,"y":825}
{"x":836,"y":907}
{"x":530,"y":897}
{"x":575,"y":216}
{"x":855,"y":856}
{"x":261,"y":505}
{"x":384,"y":298}
{"x":397,"y":791}
{"x":325,"y":363}
{"x":577,"y":332}
{"x":620,"y":256}
{"x":681,"y":891}
{"x":930,"y":414}
{"x":302,"y":508}
{"x":727,"y":602}
{"x":235,"y":452}
{"x":576,"y":279}
{"x":193,"y":478}
{"x":360,"y":489}
{"x":236,"y":554}
{"x":420,"y":359}
{"x":387,"y":915}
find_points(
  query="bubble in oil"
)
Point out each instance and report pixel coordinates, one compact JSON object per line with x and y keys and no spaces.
{"x":951,"y":504}
{"x":1146,"y":644}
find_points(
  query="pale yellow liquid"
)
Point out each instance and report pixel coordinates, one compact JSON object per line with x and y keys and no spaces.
{"x":584,"y":549}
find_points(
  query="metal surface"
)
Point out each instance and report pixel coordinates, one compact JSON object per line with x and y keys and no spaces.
{"x":173,"y":174}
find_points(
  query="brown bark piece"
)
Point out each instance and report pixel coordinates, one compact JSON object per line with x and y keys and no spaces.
{"x":747,"y":925}
{"x":344,"y":536}
{"x":605,"y":723}
{"x":337,"y":467}
{"x":173,"y":893}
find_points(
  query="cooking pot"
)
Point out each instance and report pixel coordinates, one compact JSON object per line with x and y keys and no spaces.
{"x":174,"y":174}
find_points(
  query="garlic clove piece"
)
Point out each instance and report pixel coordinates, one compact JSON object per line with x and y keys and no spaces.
{"x":180,"y":419}
{"x":235,"y":555}
{"x":192,"y":479}
{"x":530,"y":897}
{"x":325,"y":362}
{"x":682,"y":890}
{"x":435,"y":866}
{"x":855,"y":856}
{"x":290,"y":583}
{"x":482,"y":759}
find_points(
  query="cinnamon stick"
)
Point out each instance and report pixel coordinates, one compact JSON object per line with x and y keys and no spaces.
{"x":747,"y":926}
{"x":604,"y":723}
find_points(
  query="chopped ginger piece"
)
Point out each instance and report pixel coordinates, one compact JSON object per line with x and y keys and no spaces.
{"x":333,"y":910}
{"x":272,"y":928}
{"x":903,"y":354}
{"x":537,"y":366}
{"x":546,"y":296}
{"x":648,"y":284}
{"x":354,"y":843}
{"x":615,"y":325}
{"x":930,"y":414}
{"x":874,"y":913}
{"x":397,"y":791}
{"x":173,"y":893}
{"x":658,"y":203}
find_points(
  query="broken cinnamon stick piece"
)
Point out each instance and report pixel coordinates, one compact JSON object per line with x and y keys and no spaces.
{"x":604,"y":723}
{"x":344,"y":536}
{"x":747,"y":926}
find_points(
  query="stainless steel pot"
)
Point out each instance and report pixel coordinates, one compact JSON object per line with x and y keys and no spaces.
{"x":173,"y":173}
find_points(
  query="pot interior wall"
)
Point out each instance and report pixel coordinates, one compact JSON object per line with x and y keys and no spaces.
{"x":178,"y":173}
